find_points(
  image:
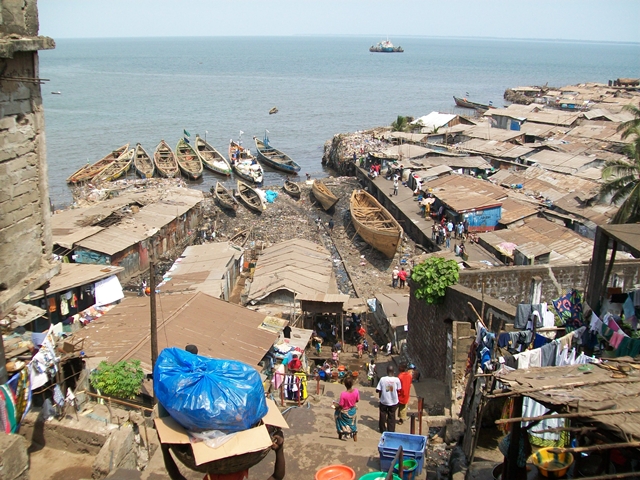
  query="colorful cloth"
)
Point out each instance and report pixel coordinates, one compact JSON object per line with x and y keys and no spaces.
{"x":346,"y":424}
{"x":569,"y":308}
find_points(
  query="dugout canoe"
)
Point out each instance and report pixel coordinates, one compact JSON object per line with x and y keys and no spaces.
{"x":188,"y":160}
{"x":244,"y":164}
{"x":88,"y":172}
{"x":323,"y":195}
{"x":143,"y":163}
{"x":274,"y":157}
{"x":250,"y":197}
{"x":291,"y":188}
{"x":224,"y":197}
{"x":165,"y":161}
{"x":211,"y":158}
{"x":374,"y":223}
{"x":117,"y":168}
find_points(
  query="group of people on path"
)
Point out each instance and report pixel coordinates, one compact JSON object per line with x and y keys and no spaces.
{"x":399,"y":277}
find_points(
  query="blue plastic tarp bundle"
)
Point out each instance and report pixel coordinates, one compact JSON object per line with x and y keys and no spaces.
{"x":271,"y":196}
{"x":202,"y":393}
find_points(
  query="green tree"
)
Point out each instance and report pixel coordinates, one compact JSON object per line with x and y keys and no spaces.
{"x":400,"y":124}
{"x":630,"y":126}
{"x":433,"y":276}
{"x":121,"y":379}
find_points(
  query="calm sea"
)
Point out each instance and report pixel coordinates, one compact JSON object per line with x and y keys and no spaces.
{"x":116,"y":91}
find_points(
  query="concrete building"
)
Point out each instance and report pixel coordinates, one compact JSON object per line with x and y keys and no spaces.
{"x":391,"y":317}
{"x":25,"y":232}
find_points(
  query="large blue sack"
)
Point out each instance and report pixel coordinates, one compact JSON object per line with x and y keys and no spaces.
{"x":202,"y":393}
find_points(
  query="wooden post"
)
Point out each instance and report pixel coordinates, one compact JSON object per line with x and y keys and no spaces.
{"x":420,"y":408}
{"x":511,"y":468}
{"x":154,"y":321}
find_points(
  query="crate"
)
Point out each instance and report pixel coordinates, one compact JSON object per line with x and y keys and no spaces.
{"x":413,"y":446}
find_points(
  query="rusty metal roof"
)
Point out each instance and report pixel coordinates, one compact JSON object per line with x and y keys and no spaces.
{"x":74,"y":275}
{"x":395,"y":307}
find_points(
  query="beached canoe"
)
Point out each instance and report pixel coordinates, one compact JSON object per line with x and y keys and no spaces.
{"x":88,"y":172}
{"x":274,"y":157}
{"x":323,"y":195}
{"x":250,"y":197}
{"x":211,"y":158}
{"x":374,"y":223}
{"x":188,"y":160}
{"x":143,"y":163}
{"x":224,"y":197}
{"x":240,"y":238}
{"x":464,"y":103}
{"x":244,"y":164}
{"x":165,"y":161}
{"x":117,"y":168}
{"x":291,"y":188}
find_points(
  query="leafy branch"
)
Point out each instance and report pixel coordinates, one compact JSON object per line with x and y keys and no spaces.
{"x":433,"y":276}
{"x":121,"y":379}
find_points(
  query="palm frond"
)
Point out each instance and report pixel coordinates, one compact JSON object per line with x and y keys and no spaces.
{"x":629,"y":211}
{"x":627,"y":127}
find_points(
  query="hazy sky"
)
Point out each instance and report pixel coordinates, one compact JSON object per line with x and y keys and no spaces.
{"x":597,"y":20}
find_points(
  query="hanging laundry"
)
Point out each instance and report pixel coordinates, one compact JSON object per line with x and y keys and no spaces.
{"x":64,"y":307}
{"x":569,"y":308}
{"x":52,"y":304}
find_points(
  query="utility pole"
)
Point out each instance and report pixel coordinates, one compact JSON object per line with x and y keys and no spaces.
{"x":154,"y":323}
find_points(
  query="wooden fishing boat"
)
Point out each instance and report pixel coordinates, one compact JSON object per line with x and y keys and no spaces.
{"x":143,"y":163}
{"x":323,"y":195}
{"x":240,"y":238}
{"x":291,"y":188}
{"x":244,"y":164}
{"x":211,"y":158}
{"x":165,"y":161}
{"x":374,"y":223}
{"x":117,"y":168}
{"x":274,"y":157}
{"x":224,"y":197}
{"x":188,"y":160}
{"x":250,"y":197}
{"x":87,"y":172}
{"x":464,"y":103}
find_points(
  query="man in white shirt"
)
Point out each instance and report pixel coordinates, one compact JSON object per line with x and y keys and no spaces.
{"x":388,"y":392}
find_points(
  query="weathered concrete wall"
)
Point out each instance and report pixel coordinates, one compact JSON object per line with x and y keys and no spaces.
{"x":19,"y":17}
{"x":14,"y":459}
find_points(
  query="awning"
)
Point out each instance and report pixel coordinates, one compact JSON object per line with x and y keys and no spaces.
{"x":21,"y":315}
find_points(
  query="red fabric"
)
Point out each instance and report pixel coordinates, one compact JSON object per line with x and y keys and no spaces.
{"x":349,"y":399}
{"x":405,"y":380}
{"x":295,"y":364}
{"x":402,"y":274}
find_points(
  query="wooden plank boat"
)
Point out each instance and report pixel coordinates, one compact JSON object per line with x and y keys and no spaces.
{"x":143,"y":163}
{"x":291,"y":188}
{"x":244,"y":164}
{"x":165,"y":161}
{"x":374,"y":223}
{"x":463,"y":102}
{"x":240,"y":238}
{"x":274,"y":157}
{"x":88,"y":172}
{"x":211,"y":158}
{"x":250,"y":197}
{"x":117,"y":168}
{"x":188,"y":160}
{"x":224,"y":197}
{"x":323,"y":195}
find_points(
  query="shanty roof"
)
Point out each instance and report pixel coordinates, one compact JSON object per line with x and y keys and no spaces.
{"x":629,"y":234}
{"x":410,"y":137}
{"x":494,"y":148}
{"x":297,"y":265}
{"x":515,"y":210}
{"x":115,"y":239}
{"x":74,"y":275}
{"x":201,"y":268}
{"x":463,"y":193}
{"x":22,"y":314}
{"x":562,"y":162}
{"x":597,"y":131}
{"x":395,"y":307}
{"x":601,"y":396}
{"x":299,"y":338}
{"x":434,"y":120}
{"x":486,"y":132}
{"x":536,"y":115}
{"x":406,"y":151}
{"x":219,"y":329}
{"x":472,"y":161}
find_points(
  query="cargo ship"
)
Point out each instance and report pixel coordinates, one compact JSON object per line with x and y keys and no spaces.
{"x":385,"y":47}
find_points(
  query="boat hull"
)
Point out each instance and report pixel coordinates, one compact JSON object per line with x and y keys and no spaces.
{"x":117,"y":169}
{"x":275,"y":158}
{"x":165,"y":161}
{"x":143,"y":163}
{"x":211,"y":159}
{"x":242,"y":164}
{"x":464,"y":103}
{"x":374,"y":223}
{"x":224,"y":197}
{"x":250,"y":197}
{"x":188,"y":160}
{"x":323,"y":195}
{"x":89,"y":172}
{"x":292,"y":189}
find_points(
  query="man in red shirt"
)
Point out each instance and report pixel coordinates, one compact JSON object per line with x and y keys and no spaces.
{"x":402,"y":277}
{"x":405,"y":378}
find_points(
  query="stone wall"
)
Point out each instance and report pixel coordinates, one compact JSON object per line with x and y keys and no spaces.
{"x":19,"y":17}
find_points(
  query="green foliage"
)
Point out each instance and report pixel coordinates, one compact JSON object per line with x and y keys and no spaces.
{"x":433,"y":276}
{"x":121,"y":379}
{"x":401,"y":124}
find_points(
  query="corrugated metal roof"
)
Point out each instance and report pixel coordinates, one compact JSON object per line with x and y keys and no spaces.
{"x":395,"y":307}
{"x":434,"y":120}
{"x":561,"y":162}
{"x":472,"y":161}
{"x":514,"y":210}
{"x":114,"y":239}
{"x":463,"y":193}
{"x":406,"y":151}
{"x":76,"y":274}
{"x":486,"y":132}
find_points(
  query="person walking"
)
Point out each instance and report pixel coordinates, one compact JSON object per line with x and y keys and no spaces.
{"x":394,"y":277}
{"x":387,"y":389}
{"x":395,"y":186}
{"x":405,"y":378}
{"x":371,"y":373}
{"x":402,"y":277}
{"x":331,"y":225}
{"x":345,"y":414}
{"x":448,"y":238}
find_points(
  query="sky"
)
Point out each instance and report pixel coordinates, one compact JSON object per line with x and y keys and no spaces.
{"x":590,"y":20}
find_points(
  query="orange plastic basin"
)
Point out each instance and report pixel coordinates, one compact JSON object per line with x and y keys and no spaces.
{"x":335,"y":472}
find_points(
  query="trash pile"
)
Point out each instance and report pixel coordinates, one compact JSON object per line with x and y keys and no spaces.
{"x":343,"y":148}
{"x":89,"y":194}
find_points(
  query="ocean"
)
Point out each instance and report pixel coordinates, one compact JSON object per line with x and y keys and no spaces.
{"x":117,"y":91}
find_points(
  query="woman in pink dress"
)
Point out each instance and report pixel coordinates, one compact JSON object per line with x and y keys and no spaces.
{"x":345,"y":414}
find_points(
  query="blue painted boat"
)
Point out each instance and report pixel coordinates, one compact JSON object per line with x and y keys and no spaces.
{"x":274,"y":157}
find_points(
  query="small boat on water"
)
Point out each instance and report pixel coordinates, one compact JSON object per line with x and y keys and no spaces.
{"x":374,"y":223}
{"x":118,"y":168}
{"x":274,"y":157}
{"x":244,"y":164}
{"x":385,"y":47}
{"x":143,"y":163}
{"x":273,"y":111}
{"x":224,"y":197}
{"x":188,"y":160}
{"x":292,"y":188}
{"x":88,"y":172}
{"x":250,"y":197}
{"x":211,"y":158}
{"x":165,"y":161}
{"x":323,"y":195}
{"x":464,"y":103}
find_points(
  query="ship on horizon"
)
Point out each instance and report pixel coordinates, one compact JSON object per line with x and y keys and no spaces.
{"x":385,"y":47}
